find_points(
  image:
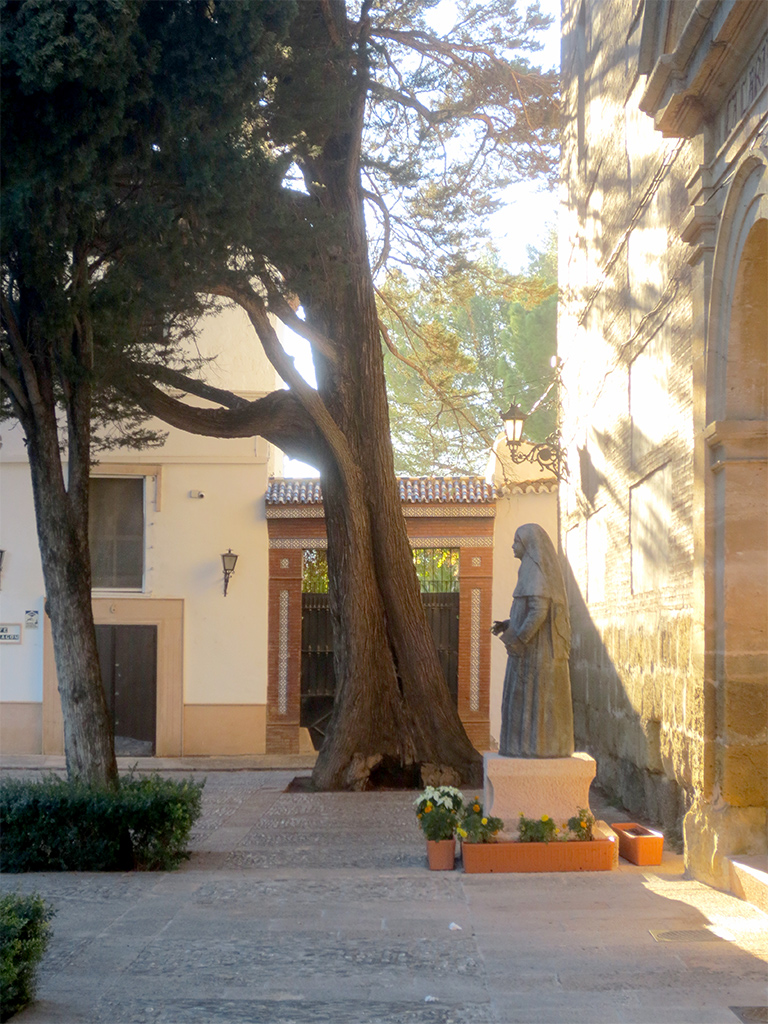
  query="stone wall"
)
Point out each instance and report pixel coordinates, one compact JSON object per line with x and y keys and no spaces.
{"x":664,"y":519}
{"x":625,"y":344}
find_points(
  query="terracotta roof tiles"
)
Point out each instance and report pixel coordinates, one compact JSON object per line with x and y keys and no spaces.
{"x":419,"y":490}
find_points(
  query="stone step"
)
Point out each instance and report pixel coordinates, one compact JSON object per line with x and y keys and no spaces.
{"x":749,"y":879}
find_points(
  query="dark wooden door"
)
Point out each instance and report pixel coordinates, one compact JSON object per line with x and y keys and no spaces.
{"x":318,"y":679}
{"x":128,"y":656}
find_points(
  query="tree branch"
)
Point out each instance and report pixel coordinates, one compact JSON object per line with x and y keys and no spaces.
{"x":281,"y":308}
{"x":315,"y":408}
{"x":278,"y":417}
{"x":376,"y":199}
{"x":192,"y":385}
{"x":15,"y":391}
{"x":21,"y":355}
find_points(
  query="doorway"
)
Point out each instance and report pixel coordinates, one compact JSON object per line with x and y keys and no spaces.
{"x":438,"y":572}
{"x":128,"y":658}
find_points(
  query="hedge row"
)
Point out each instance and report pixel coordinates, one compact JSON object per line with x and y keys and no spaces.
{"x":57,"y":825}
{"x":24,"y":934}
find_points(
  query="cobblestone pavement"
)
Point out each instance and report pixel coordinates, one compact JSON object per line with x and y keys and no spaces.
{"x":299,"y":908}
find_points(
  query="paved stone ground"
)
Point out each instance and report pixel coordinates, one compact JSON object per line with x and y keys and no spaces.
{"x":301,"y":908}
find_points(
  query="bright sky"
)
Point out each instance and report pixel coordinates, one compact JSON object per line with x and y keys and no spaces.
{"x":528,"y":212}
{"x":524,"y":220}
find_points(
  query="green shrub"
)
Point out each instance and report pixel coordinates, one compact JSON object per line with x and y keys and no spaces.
{"x":24,"y":934}
{"x":57,"y":825}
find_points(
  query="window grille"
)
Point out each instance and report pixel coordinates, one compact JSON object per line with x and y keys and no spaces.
{"x":314,"y":574}
{"x":437,"y":569}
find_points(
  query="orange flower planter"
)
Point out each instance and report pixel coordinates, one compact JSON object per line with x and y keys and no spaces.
{"x":638,"y":844}
{"x":441,"y":854}
{"x":592,"y":855}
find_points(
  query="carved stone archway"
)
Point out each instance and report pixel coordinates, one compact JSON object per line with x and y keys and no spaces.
{"x":729,"y":817}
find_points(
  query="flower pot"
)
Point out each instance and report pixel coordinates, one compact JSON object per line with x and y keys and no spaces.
{"x":639,"y":844}
{"x":592,"y":855}
{"x":441,"y":854}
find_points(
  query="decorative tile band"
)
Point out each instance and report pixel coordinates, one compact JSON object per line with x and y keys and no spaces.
{"x":302,"y":543}
{"x":409,"y":511}
{"x":474,"y":653}
{"x":320,"y":543}
{"x":282,"y":661}
{"x":449,"y":511}
{"x":451,"y":542}
{"x":296,"y":512}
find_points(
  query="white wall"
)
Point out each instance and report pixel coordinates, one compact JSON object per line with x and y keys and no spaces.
{"x":21,"y":665}
{"x":225,"y":639}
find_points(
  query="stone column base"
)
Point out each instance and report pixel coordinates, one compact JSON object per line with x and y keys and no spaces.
{"x":712,"y":834}
{"x":557,"y":786}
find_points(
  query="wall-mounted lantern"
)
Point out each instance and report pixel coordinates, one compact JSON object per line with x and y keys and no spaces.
{"x":229,"y":561}
{"x":548,"y":454}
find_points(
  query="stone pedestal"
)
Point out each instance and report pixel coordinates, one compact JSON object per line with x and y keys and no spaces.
{"x":556,"y":786}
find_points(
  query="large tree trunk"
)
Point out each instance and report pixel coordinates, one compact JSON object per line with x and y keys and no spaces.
{"x":393,"y":715}
{"x":62,"y":528}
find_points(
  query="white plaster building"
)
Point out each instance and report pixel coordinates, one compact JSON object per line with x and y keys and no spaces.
{"x":183,"y":505}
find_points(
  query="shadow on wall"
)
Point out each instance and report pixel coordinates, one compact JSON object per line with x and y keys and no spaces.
{"x":609,"y":724}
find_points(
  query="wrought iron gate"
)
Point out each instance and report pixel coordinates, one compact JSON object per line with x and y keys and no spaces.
{"x":318,"y":680}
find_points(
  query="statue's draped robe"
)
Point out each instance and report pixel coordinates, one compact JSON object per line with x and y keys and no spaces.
{"x":536,"y":708}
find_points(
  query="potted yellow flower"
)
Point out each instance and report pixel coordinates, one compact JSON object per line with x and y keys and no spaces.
{"x":475,"y":830}
{"x":543,"y":845}
{"x":438,"y":809}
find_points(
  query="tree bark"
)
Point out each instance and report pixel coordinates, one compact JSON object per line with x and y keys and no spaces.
{"x":29,"y":372}
{"x":61,"y":515}
{"x":393,"y":717}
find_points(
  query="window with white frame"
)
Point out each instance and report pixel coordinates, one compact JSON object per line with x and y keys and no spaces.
{"x":116,"y":532}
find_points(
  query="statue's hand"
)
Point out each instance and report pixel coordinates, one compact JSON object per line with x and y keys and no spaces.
{"x":499,"y":627}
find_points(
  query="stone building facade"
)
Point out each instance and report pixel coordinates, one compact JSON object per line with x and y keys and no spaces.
{"x":663,"y":339}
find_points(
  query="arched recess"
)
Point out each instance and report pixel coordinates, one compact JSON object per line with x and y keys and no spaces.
{"x":733,"y":804}
{"x":745,"y":207}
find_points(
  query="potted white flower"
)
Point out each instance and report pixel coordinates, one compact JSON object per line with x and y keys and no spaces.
{"x":438,"y":809}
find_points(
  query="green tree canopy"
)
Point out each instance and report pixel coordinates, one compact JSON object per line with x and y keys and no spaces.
{"x":460,"y":349}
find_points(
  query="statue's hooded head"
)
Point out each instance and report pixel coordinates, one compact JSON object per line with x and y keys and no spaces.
{"x":540,"y":574}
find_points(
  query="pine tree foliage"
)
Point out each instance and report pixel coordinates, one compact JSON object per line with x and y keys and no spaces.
{"x":460,"y":348}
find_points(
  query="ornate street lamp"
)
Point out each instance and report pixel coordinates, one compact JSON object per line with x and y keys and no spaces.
{"x":548,"y":454}
{"x":229,"y":561}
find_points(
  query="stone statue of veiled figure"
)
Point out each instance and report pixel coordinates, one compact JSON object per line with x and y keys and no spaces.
{"x":536,"y":708}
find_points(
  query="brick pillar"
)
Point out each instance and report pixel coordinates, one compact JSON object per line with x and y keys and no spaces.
{"x":284,"y":681}
{"x":476,"y":591}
